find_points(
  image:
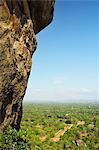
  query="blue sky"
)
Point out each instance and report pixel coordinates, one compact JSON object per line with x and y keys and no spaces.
{"x":65,"y":64}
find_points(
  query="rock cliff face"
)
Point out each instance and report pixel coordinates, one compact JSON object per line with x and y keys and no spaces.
{"x":20,"y":21}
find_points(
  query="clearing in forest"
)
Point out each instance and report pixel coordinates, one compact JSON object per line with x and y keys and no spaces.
{"x":60,"y":133}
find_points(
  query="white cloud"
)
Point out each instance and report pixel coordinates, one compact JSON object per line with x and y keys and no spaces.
{"x":85,"y":90}
{"x":59,"y":81}
{"x":59,"y":94}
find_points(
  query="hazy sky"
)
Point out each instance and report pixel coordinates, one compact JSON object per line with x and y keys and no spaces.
{"x":65,"y":64}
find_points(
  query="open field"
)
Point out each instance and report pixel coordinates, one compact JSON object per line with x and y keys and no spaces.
{"x":61,"y":126}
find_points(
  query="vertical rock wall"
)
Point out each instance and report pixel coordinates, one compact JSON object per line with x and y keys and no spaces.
{"x":20,"y":20}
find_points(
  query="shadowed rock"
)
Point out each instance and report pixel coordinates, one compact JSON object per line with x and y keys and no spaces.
{"x":20,"y":21}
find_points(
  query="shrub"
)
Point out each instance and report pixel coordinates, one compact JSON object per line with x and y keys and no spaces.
{"x":11,"y":139}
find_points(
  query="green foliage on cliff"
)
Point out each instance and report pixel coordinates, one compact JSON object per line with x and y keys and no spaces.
{"x":13,"y":140}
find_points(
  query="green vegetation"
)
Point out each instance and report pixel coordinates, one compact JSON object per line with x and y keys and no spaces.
{"x":61,"y":126}
{"x":55,"y":127}
{"x":13,"y":140}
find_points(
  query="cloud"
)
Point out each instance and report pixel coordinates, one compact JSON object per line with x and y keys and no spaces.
{"x":85,"y":90}
{"x":56,"y":90}
{"x":59,"y":81}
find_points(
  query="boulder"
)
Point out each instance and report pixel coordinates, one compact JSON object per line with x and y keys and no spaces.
{"x":20,"y":21}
